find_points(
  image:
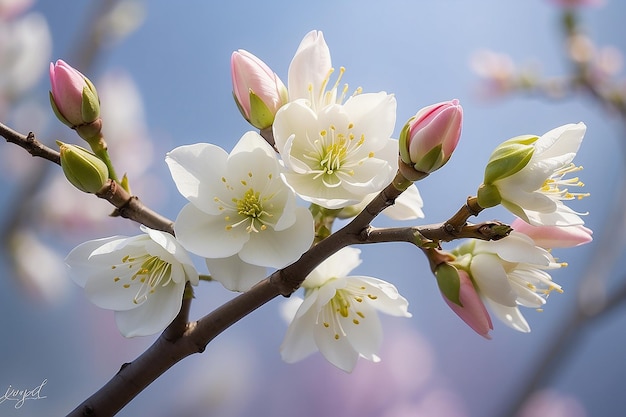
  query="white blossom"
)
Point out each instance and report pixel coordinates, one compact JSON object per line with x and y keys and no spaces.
{"x":241,"y":214}
{"x":338,"y":315}
{"x":336,"y":153}
{"x":537,"y":191}
{"x":142,"y":278}
{"x":509,"y":273}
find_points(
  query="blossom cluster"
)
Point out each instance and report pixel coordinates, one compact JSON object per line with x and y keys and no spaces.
{"x":334,"y":151}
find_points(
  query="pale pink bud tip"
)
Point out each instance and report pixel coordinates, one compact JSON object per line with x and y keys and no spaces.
{"x":473,"y":312}
{"x":257,"y":89}
{"x":554,"y":236}
{"x":69,"y":90}
{"x":429,"y":138}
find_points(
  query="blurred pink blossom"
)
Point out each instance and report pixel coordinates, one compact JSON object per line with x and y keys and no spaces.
{"x":577,"y":3}
{"x":552,"y":403}
{"x":11,"y":8}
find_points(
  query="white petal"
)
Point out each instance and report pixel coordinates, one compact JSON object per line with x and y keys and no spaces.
{"x":250,"y":141}
{"x":314,"y":191}
{"x":563,"y":216}
{"x":77,"y":260}
{"x":298,"y":342}
{"x":517,"y":247}
{"x":171,"y":246}
{"x":561,"y":140}
{"x":234,"y":274}
{"x":374,"y":113}
{"x":278,"y":249}
{"x":104,"y":291}
{"x":154,"y":315}
{"x":408,"y":206}
{"x":365,"y":333}
{"x":206,"y":235}
{"x":289,"y":308}
{"x":337,"y":265}
{"x":381,"y":295}
{"x":337,"y":351}
{"x":310,"y":66}
{"x":492,"y":280}
{"x":511,"y":316}
{"x":195,"y":178}
{"x":294,"y":118}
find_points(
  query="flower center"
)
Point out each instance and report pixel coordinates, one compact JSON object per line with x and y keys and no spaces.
{"x":250,"y":209}
{"x":344,"y":305}
{"x":334,"y":155}
{"x":145,"y":273}
{"x":556,"y":185}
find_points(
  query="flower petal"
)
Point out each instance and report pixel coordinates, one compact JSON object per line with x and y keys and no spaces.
{"x":491,"y":279}
{"x":77,"y":260}
{"x":511,"y":316}
{"x":280,"y":248}
{"x":309,"y":68}
{"x":299,"y":342}
{"x":196,"y":179}
{"x":205,"y":235}
{"x":235,"y":274}
{"x":154,"y":315}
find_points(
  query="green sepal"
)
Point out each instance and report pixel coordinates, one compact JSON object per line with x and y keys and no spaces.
{"x":403,"y":143}
{"x":125,"y":184}
{"x":90,"y":105}
{"x":432,"y":161}
{"x":509,"y":157}
{"x":83,"y":169}
{"x":261,"y":116}
{"x":488,"y":196}
{"x":449,"y":282}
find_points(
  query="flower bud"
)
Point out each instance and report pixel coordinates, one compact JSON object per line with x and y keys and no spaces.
{"x":448,"y":282}
{"x":507,"y":159}
{"x":83,"y":169}
{"x":428,"y":139}
{"x":471,"y":309}
{"x":549,"y":237}
{"x":257,"y":90}
{"x":73,"y":97}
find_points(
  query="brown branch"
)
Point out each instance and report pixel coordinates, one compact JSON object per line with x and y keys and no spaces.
{"x":128,"y":206}
{"x":166,"y":352}
{"x":490,"y":230}
{"x":182,"y":339}
{"x":28,"y":142}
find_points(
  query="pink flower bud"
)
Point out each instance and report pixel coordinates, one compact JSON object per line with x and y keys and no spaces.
{"x":472,"y":311}
{"x":429,"y":138}
{"x":554,"y":236}
{"x":258,"y":91}
{"x":73,"y":97}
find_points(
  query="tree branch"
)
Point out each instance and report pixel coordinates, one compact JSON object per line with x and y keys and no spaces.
{"x":128,"y":206}
{"x":182,"y":339}
{"x":28,"y":142}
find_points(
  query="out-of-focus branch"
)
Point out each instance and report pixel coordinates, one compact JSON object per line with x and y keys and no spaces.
{"x":593,"y":301}
{"x":128,"y":206}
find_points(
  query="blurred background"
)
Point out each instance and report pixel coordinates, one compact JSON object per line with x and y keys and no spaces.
{"x":163,"y":73}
